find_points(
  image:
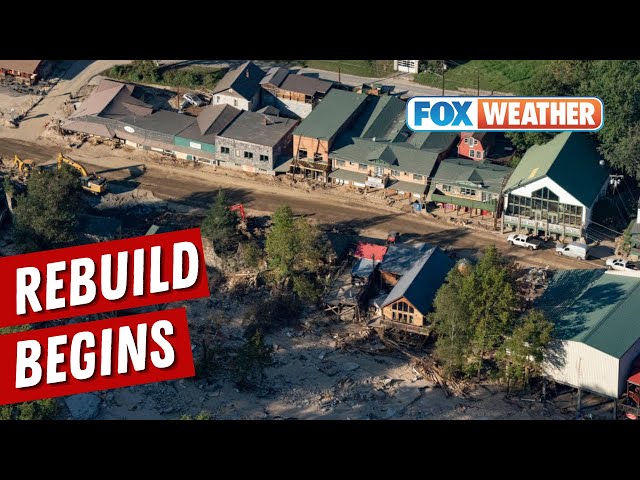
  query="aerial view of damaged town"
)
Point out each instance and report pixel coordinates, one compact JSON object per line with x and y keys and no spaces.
{"x":358,"y":269}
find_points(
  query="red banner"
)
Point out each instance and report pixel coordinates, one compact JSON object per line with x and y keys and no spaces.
{"x":102,"y":277}
{"x":98,"y":355}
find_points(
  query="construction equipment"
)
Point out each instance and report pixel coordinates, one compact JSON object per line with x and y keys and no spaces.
{"x":88,"y":181}
{"x":240,"y":209}
{"x":631,"y":400}
{"x":24,"y":166}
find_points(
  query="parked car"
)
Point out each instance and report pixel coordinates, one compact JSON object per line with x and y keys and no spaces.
{"x":526,"y":241}
{"x":577,"y":250}
{"x":194,"y":99}
{"x":621,"y":264}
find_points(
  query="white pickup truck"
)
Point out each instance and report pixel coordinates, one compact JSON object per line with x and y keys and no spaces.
{"x":621,"y":264}
{"x":525,"y":241}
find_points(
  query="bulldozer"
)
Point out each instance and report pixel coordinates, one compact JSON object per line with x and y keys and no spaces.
{"x":89,"y":181}
{"x":25,"y":167}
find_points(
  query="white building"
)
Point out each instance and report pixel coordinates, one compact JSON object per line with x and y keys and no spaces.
{"x":553,"y":189}
{"x":407,"y":66}
{"x":597,"y":332}
{"x":240,"y":87}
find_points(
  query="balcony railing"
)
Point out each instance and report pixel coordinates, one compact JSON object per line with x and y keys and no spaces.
{"x":311,"y":164}
{"x":535,"y":225}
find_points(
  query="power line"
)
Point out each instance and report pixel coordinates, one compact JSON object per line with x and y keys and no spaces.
{"x":604,"y":226}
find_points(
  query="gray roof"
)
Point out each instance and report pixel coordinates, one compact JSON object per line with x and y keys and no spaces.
{"x":363,"y":268}
{"x":460,"y":171}
{"x":329,"y":117}
{"x":211,"y":121}
{"x":400,"y":258}
{"x":163,"y":121}
{"x":244,"y":80}
{"x":259,"y":129}
{"x":421,"y":282}
{"x":270,"y":110}
{"x":275,"y":76}
{"x":113,"y":100}
{"x":24,"y":66}
{"x":306,"y":85}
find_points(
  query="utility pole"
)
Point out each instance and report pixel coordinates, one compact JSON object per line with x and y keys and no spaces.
{"x":499,"y":205}
{"x":444,"y":69}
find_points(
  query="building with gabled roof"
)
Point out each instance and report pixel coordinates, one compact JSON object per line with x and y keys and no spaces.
{"x":555,"y":186}
{"x":240,"y":87}
{"x":597,"y":332}
{"x":294,"y":95}
{"x":462,"y":185}
{"x":412,"y":297}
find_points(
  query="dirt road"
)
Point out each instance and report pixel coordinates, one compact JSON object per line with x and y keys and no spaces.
{"x":197,"y":187}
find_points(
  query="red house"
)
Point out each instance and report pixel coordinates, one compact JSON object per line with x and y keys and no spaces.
{"x":475,"y":145}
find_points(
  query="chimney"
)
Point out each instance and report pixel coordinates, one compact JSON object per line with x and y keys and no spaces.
{"x":246,"y":72}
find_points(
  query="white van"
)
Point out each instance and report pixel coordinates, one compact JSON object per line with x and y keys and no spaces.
{"x":576,"y":250}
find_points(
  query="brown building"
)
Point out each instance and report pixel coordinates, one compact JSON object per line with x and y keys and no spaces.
{"x":314,"y":137}
{"x":25,"y":71}
{"x":411,"y":298}
{"x":294,"y":95}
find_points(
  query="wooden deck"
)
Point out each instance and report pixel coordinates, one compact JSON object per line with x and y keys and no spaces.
{"x":382,"y":322}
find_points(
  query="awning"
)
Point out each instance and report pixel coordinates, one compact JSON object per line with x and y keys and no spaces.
{"x":90,"y":128}
{"x":348,"y":175}
{"x":463,"y":202}
{"x":284,"y":167}
{"x":402,"y":186}
{"x":635,"y":379}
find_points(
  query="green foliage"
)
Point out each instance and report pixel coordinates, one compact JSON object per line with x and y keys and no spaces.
{"x":495,"y":75}
{"x":145,"y":71}
{"x":251,"y":254}
{"x":450,"y":320}
{"x":626,"y":243}
{"x":473,"y":312}
{"x":8,"y":186}
{"x":617,"y":83}
{"x":252,"y":358}
{"x":294,"y":252}
{"x":523,"y":352}
{"x":202,"y":415}
{"x":47,"y":216}
{"x":38,"y":410}
{"x":363,"y":68}
{"x":219,"y":226}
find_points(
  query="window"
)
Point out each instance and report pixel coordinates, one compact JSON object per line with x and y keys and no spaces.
{"x":248,"y":155}
{"x":225,"y":150}
{"x":264,"y":158}
{"x":417,"y":177}
{"x":363,"y":166}
{"x":235,"y":103}
{"x":237,"y":152}
{"x":217,"y":98}
{"x":302,"y":153}
{"x":468,"y":191}
{"x":339,"y":163}
{"x":139,"y":145}
{"x":262,"y":170}
{"x":238,"y":164}
{"x":317,"y":157}
{"x":170,"y":152}
{"x":472,"y":153}
{"x":487,"y":196}
{"x":466,"y":140}
{"x":479,"y":154}
{"x":395,"y":173}
{"x":446,"y":188}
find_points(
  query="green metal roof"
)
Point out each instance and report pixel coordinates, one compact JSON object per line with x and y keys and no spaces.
{"x":432,"y":140}
{"x":460,"y":171}
{"x":330,"y":115}
{"x":595,"y":308}
{"x":570,"y":159}
{"x":398,"y":156}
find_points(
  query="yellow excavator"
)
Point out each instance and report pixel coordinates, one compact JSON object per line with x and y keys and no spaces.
{"x":89,"y":181}
{"x":24,"y":166}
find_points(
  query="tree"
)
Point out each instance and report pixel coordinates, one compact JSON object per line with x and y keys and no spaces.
{"x":492,"y":300}
{"x":450,"y":320}
{"x":523,"y":352}
{"x":294,"y":252}
{"x":219,"y":226}
{"x":253,"y":357}
{"x":36,"y":410}
{"x":625,"y":244}
{"x":47,"y":216}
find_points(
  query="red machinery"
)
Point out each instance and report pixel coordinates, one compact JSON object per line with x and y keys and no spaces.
{"x":240,"y":209}
{"x":631,"y":401}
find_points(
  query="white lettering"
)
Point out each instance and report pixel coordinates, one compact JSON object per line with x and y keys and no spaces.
{"x":27,"y":291}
